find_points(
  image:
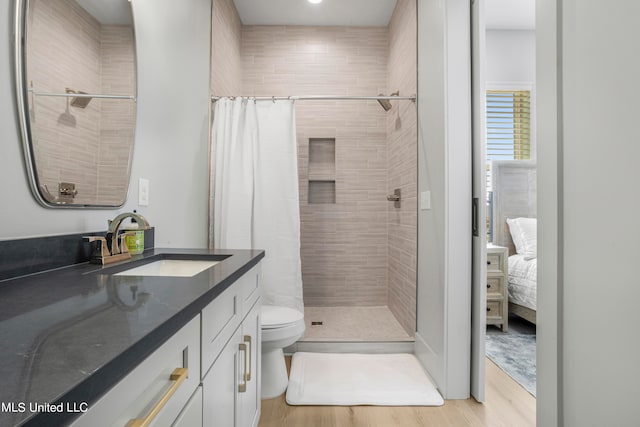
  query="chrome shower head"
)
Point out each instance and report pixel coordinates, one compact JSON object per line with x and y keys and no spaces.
{"x":385,"y":103}
{"x":80,"y":101}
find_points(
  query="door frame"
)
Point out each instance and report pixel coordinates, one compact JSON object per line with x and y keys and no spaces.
{"x":479,"y":189}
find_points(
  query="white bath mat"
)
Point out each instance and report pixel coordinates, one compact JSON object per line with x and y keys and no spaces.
{"x":359,"y":379}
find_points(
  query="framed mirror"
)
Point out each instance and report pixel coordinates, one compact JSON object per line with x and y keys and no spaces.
{"x":76,"y":91}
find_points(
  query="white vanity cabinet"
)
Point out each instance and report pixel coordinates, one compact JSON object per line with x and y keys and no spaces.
{"x":231,"y":385}
{"x":158,"y":389}
{"x":207,"y":374}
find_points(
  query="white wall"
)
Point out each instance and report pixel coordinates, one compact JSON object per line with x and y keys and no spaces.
{"x":171,"y":138}
{"x":511,"y":56}
{"x":595,"y":153}
{"x":444,"y":168}
{"x":511,"y":65}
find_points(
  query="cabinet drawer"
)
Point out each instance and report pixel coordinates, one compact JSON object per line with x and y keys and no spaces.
{"x":250,"y":285}
{"x":494,"y":310}
{"x":495,"y":262}
{"x":495,"y":285}
{"x":151,"y":382}
{"x":219,"y":320}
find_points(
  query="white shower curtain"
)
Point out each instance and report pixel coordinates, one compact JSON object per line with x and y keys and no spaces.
{"x":255,"y":191}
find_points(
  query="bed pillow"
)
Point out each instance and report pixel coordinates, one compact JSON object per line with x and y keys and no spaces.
{"x":524,"y":234}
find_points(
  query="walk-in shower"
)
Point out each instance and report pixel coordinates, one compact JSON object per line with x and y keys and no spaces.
{"x":358,"y":250}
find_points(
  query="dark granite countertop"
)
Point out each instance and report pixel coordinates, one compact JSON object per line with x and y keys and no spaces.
{"x":70,"y":334}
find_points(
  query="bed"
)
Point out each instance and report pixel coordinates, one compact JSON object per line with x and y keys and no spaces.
{"x":514,"y":225}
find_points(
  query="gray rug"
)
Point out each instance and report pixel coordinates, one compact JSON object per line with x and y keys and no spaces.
{"x":515,"y":355}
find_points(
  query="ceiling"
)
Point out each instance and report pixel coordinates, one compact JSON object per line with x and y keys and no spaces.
{"x":510,"y":14}
{"x":330,"y":12}
{"x":499,"y":14}
{"x":108,"y":12}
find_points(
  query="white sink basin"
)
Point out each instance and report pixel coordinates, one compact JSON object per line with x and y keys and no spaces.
{"x":169,"y":268}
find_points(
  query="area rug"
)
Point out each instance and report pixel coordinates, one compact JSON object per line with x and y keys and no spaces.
{"x":515,"y":355}
{"x":359,"y":379}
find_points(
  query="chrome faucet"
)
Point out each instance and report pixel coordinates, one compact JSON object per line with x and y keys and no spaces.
{"x":114,"y":225}
{"x":119,"y":252}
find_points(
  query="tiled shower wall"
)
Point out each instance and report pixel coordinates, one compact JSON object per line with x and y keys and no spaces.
{"x":67,"y":51}
{"x":344,"y":244}
{"x":360,"y":250}
{"x":65,"y":140}
{"x":226,"y":62}
{"x":118,"y":118}
{"x":402,"y":140}
{"x":226,"y":36}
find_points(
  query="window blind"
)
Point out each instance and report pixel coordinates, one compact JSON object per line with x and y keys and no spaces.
{"x":508,"y":122}
{"x":508,"y":125}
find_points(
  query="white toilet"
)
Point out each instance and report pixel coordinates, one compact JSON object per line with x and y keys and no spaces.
{"x":281,"y":327}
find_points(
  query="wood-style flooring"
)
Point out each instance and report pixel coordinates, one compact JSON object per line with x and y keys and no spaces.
{"x":507,"y":404}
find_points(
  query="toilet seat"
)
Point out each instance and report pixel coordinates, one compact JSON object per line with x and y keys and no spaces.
{"x":274,"y":317}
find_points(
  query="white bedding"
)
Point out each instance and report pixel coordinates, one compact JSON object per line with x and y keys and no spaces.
{"x":522,"y":281}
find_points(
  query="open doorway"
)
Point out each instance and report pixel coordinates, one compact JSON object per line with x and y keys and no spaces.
{"x":510,"y":178}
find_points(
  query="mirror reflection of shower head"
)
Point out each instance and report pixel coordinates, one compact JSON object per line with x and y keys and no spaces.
{"x":385,"y":103}
{"x":80,"y":102}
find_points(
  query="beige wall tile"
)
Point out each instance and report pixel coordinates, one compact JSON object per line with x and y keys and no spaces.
{"x":402,"y":164}
{"x":344,"y":245}
{"x":226,"y":61}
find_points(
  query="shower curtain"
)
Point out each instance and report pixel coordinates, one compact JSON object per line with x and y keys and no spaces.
{"x":255,"y":191}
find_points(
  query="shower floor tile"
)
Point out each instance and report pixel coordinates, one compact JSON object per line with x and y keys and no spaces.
{"x":352,"y":324}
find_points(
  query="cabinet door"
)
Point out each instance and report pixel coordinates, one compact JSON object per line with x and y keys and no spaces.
{"x":250,"y":398}
{"x":220,"y":385}
{"x":191,"y":415}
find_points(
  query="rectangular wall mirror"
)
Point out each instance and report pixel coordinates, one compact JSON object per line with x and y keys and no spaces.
{"x":76,"y":90}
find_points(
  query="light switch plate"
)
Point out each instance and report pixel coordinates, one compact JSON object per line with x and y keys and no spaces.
{"x":143,"y":192}
{"x":425,"y":200}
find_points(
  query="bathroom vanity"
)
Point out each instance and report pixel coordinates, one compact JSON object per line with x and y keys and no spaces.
{"x":92,"y":345}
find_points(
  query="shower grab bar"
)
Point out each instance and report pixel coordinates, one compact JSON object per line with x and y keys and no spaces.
{"x":412,"y":98}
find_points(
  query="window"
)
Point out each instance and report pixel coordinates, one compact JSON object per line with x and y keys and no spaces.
{"x":508,"y":121}
{"x":508,"y":125}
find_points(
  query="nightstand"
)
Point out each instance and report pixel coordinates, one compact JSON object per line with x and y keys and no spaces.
{"x":497,"y":292}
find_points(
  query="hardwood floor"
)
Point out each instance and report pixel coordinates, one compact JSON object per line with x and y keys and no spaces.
{"x":508,"y":405}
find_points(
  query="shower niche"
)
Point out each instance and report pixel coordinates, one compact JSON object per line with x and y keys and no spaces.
{"x":322,"y":171}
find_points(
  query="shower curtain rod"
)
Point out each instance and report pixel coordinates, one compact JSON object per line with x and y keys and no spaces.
{"x":82,"y":95}
{"x":324,"y":98}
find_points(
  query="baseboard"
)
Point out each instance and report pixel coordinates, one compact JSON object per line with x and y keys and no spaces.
{"x":429,"y":360}
{"x":387,"y":347}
